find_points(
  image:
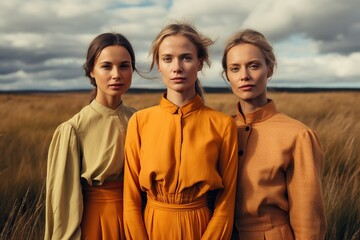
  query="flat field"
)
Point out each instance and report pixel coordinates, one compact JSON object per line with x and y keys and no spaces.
{"x":27,"y":122}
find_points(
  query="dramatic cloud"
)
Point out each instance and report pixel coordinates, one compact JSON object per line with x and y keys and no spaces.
{"x":43,"y":43}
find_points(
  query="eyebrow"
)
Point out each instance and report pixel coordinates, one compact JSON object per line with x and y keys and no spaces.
{"x":183,"y":54}
{"x":247,"y":63}
{"x":109,"y":62}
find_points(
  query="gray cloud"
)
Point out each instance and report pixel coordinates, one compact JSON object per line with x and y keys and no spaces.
{"x":43,"y":43}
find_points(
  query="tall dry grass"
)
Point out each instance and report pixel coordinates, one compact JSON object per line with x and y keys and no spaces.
{"x":27,"y":123}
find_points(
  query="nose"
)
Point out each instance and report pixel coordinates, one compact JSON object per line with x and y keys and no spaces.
{"x":116,"y":73}
{"x":176,"y":67}
{"x":244,"y":74}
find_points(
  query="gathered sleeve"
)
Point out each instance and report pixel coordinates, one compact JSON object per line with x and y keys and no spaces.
{"x":304,"y":176}
{"x":133,"y":217}
{"x":64,"y":201}
{"x":221,"y":223}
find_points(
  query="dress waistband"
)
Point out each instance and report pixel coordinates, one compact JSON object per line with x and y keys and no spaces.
{"x":109,"y":191}
{"x":197,"y":204}
{"x":261,"y":223}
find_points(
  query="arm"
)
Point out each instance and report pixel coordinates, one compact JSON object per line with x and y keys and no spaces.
{"x":303,"y":176}
{"x":64,"y":202}
{"x":221,"y":223}
{"x":133,"y":219}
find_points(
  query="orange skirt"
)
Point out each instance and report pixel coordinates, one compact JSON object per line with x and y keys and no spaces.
{"x":103,"y":212}
{"x":176,"y":221}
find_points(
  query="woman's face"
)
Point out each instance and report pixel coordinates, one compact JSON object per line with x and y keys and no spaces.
{"x":248,"y":73}
{"x":179,"y":64}
{"x":112,"y":73}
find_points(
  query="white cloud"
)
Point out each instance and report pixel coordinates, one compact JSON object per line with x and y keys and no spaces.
{"x":23,"y":40}
{"x":43,"y":43}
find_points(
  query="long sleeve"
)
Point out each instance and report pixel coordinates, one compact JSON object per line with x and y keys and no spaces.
{"x":133,"y":220}
{"x":64,"y":203}
{"x":221,"y":223}
{"x":307,"y":215}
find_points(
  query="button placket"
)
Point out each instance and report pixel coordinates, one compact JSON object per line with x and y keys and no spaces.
{"x":246,"y":132}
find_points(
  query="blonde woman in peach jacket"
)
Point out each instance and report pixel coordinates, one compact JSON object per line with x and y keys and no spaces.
{"x":279,"y":192}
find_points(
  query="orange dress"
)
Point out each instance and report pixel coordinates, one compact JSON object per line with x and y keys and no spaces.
{"x":279,"y":191}
{"x":85,"y":174}
{"x":176,"y":156}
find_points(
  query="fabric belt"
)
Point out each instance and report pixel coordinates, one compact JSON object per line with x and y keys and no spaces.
{"x":261,"y":223}
{"x":108,"y":192}
{"x":197,"y":204}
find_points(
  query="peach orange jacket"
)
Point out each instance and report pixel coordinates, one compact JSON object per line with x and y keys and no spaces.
{"x":171,"y":151}
{"x":87,"y":148}
{"x":279,"y":191}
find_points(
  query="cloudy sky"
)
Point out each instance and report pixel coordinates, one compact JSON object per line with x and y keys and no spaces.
{"x":43,"y":42}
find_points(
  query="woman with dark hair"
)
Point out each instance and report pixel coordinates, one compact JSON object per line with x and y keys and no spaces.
{"x":85,"y":159}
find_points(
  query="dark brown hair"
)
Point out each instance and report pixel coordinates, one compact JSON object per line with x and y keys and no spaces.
{"x":97,"y":45}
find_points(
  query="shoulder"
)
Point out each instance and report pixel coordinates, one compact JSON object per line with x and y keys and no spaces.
{"x":290,"y":128}
{"x":289,"y":122}
{"x":75,"y":121}
{"x":218,"y":120}
{"x":84,"y":115}
{"x":144,"y":114}
{"x":217,"y":114}
{"x":67,"y":127}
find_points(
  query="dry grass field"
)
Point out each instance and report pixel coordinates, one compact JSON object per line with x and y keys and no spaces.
{"x":27,"y":122}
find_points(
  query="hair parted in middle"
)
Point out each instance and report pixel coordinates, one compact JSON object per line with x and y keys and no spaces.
{"x":255,"y":38}
{"x":200,"y":41}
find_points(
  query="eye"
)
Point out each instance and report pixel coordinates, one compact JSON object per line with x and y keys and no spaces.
{"x":234,"y":69}
{"x":106,"y":66}
{"x":186,"y":58}
{"x":124,"y":65}
{"x":254,"y":66}
{"x":167,"y":59}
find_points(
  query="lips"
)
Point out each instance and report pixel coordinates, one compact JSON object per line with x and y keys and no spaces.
{"x":115,"y":86}
{"x":247,"y":87}
{"x":178,"y":79}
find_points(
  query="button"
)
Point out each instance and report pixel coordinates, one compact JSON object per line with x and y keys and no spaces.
{"x":247,"y":128}
{"x":240,"y":152}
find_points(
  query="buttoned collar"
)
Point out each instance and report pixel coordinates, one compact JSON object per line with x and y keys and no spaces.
{"x":259,"y":115}
{"x":194,"y":104}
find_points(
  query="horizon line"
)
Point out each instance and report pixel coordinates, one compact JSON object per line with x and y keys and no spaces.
{"x":206,"y":90}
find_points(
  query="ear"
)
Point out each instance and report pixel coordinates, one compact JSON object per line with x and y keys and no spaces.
{"x":201,"y":65}
{"x":270,"y":72}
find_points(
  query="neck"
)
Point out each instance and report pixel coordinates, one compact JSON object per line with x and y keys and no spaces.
{"x":248,"y":106}
{"x":180,"y":98}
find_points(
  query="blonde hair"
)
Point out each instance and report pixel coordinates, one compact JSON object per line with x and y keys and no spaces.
{"x":200,"y":41}
{"x":255,"y":38}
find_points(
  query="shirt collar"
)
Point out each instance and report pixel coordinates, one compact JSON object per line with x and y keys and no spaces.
{"x":105,"y":110}
{"x":259,"y":115}
{"x":194,"y":104}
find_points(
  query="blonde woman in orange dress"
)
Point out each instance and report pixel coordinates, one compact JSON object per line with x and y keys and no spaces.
{"x":84,"y":188}
{"x":179,"y":151}
{"x":279,"y":192}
